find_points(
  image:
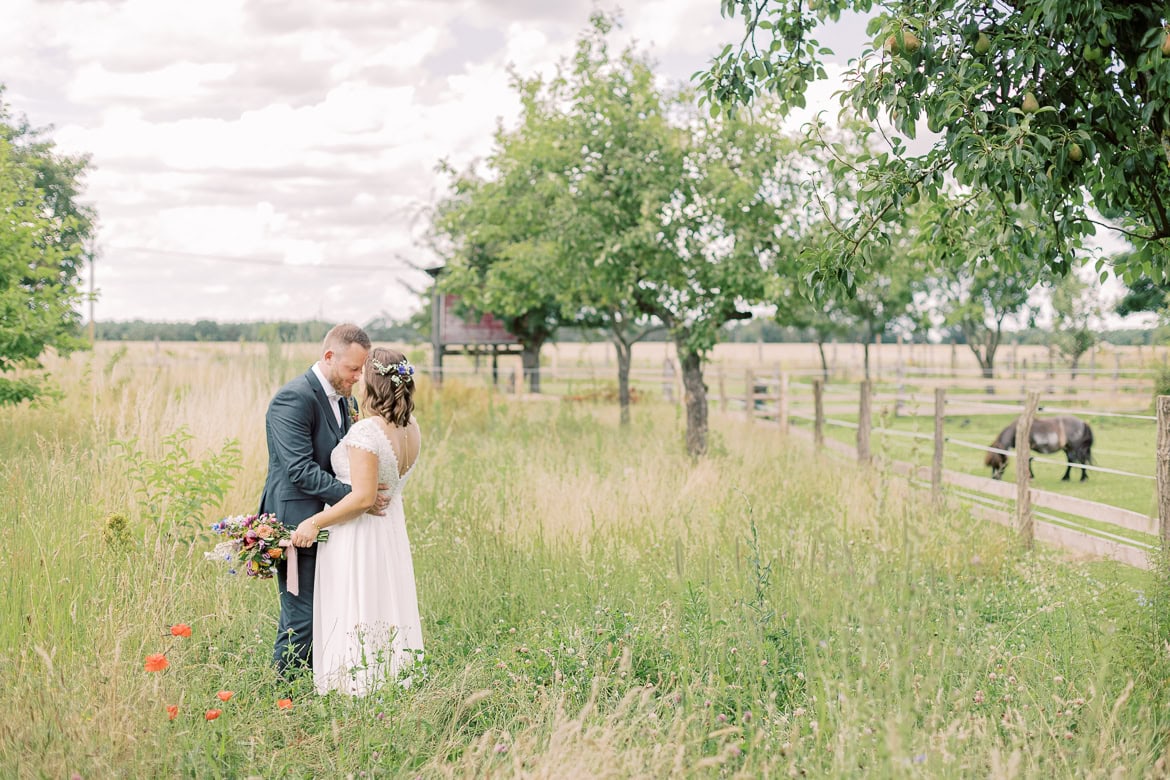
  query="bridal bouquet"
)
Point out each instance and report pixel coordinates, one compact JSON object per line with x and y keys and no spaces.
{"x":256,"y":541}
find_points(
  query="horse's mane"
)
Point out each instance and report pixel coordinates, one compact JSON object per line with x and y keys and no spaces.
{"x":1007,"y":437}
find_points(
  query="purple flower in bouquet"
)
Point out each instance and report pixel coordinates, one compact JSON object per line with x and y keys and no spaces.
{"x":258,"y":542}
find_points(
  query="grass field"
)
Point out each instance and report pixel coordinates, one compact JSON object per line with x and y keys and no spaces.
{"x":595,"y":604}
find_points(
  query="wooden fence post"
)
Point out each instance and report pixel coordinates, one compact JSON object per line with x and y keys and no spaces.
{"x":1093,"y":367}
{"x":1163,"y":470}
{"x":936,"y":467}
{"x":749,"y":396}
{"x":899,"y":399}
{"x":864,"y":423}
{"x":1023,"y":471}
{"x":777,"y":395}
{"x":819,"y":407}
{"x":722,"y":390}
{"x":782,"y":412}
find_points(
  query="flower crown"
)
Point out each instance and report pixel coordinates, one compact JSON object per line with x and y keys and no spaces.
{"x":399,"y":372}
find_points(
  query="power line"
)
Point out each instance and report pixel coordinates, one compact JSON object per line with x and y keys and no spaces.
{"x":402,"y":265}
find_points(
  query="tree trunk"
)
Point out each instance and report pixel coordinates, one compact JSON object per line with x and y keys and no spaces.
{"x":624,"y":351}
{"x":984,"y":355}
{"x":989,"y":360}
{"x":824,"y":362}
{"x":865,"y":352}
{"x":530,"y":360}
{"x":695,"y":393}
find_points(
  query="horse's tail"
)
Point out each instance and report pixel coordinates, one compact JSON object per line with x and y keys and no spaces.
{"x":1089,"y":445}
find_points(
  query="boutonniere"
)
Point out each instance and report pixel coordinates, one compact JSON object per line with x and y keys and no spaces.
{"x":353,"y":409}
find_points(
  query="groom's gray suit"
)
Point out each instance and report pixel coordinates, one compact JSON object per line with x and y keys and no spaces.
{"x":302,"y":432}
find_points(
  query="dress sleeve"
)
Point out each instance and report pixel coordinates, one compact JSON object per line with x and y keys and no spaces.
{"x":364,"y":436}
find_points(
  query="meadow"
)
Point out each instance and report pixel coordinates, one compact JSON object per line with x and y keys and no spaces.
{"x":595,"y":604}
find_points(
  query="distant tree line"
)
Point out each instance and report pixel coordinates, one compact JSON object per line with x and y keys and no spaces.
{"x":381,"y":330}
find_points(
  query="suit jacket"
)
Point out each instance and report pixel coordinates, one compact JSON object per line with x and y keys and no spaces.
{"x":302,"y":432}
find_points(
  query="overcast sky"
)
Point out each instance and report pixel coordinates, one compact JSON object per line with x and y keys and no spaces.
{"x":252,"y":157}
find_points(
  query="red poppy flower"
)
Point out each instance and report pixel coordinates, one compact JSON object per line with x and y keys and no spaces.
{"x":172,"y":711}
{"x":181,"y":629}
{"x":156,"y":662}
{"x":225,"y":695}
{"x":285,"y":704}
{"x":211,"y":714}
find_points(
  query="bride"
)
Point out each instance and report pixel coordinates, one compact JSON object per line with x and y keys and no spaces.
{"x":366,"y":627}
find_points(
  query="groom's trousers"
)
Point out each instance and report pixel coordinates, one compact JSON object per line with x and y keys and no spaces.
{"x":294,"y":635}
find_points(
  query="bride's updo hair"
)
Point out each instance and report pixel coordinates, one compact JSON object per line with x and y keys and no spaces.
{"x":389,"y":385}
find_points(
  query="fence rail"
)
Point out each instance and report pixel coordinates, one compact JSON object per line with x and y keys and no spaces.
{"x":771,"y":398}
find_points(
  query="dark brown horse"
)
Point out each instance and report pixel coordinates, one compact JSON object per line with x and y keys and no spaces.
{"x":1048,"y":435}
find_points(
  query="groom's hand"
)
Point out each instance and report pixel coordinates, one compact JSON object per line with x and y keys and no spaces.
{"x":381,"y":501}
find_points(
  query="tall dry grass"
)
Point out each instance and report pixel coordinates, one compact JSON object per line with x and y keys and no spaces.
{"x":595,"y":604}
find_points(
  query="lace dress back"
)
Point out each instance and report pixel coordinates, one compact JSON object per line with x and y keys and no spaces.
{"x":368,"y":435}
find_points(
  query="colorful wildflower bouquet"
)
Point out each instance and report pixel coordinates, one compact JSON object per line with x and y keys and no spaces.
{"x":256,"y":541}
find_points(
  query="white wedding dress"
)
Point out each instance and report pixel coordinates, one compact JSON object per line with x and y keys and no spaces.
{"x":366,"y":627}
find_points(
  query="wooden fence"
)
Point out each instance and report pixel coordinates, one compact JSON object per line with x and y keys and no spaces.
{"x":771,"y":397}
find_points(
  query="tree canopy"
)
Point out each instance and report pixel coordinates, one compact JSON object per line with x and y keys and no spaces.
{"x":615,"y":203}
{"x":974,"y":278}
{"x":1061,"y":105}
{"x":43,"y":230}
{"x":497,"y":231}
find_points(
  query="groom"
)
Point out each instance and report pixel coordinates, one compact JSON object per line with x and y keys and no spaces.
{"x":305,"y":421}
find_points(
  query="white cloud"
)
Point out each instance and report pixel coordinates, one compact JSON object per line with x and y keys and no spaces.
{"x":94,"y":84}
{"x":227,"y":135}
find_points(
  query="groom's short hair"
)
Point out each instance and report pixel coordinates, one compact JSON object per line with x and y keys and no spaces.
{"x":341,"y":336}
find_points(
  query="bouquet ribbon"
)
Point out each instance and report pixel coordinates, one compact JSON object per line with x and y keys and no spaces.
{"x":291,"y":580}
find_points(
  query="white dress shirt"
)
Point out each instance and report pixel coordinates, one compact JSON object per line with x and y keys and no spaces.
{"x":330,"y":393}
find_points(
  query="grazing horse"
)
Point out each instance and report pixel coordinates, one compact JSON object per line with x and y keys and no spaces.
{"x":1048,"y":435}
